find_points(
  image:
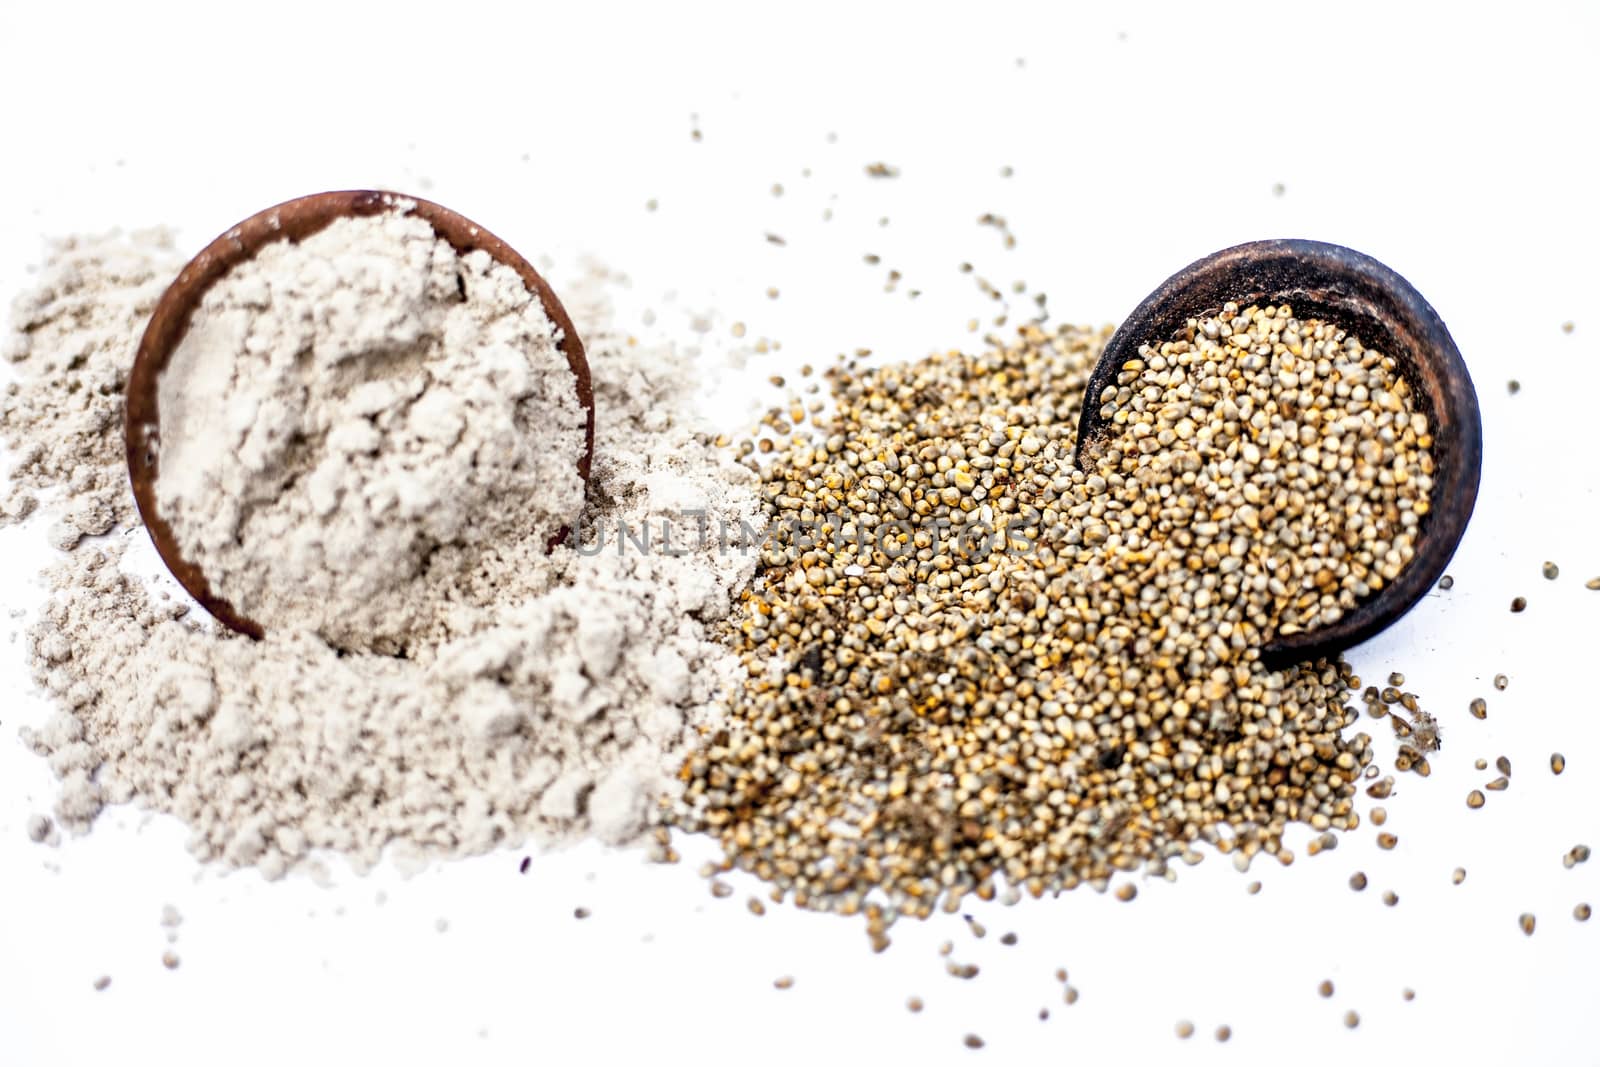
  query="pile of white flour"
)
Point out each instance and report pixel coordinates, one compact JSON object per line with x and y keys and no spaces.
{"x":72,"y":338}
{"x":359,"y":430}
{"x":561,"y":707}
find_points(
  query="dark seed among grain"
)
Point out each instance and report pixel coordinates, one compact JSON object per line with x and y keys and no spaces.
{"x":1519,"y":604}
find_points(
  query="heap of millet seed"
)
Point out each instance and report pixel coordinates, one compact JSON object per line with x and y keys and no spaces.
{"x":968,"y":660}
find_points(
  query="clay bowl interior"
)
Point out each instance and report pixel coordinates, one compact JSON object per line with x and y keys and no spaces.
{"x":294,"y":220}
{"x":1356,"y":292}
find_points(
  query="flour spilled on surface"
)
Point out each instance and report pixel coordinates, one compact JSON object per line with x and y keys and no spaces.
{"x":563,"y":709}
{"x":72,"y":339}
{"x":369,"y":436}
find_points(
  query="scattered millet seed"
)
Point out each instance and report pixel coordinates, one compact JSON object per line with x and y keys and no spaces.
{"x":977,"y":928}
{"x":1581,"y":913}
{"x":721,"y":889}
{"x":1184,"y":1029}
{"x":1325,"y":988}
{"x":1578,"y":854}
{"x":1499,"y":784}
{"x":926,"y":649}
{"x":1390,"y":897}
{"x":1070,"y":995}
{"x":1379,"y":816}
{"x":1479,"y":708}
{"x":102,"y":983}
{"x":1358,"y":881}
{"x":1592,"y":583}
{"x":1513,"y":387}
{"x":1127,"y":891}
{"x":772,"y":292}
{"x":1061,"y":975}
{"x":756,"y":907}
{"x":1480,"y":764}
{"x":961,"y":970}
{"x":882,"y":170}
{"x":777,"y":189}
{"x":1224,"y":1032}
{"x":1008,"y":939}
{"x":946,"y":947}
{"x":1503,"y":765}
{"x":1408,"y":994}
{"x":522,"y":868}
{"x":1380,"y":790}
{"x":1519,"y":603}
{"x":1397,"y":678}
{"x":914,"y":1004}
{"x":1551,"y":571}
{"x":1387,"y":841}
{"x":169,"y":960}
{"x":1501,"y":681}
{"x":651,"y":205}
{"x":1526,"y":922}
{"x":1558,"y":763}
{"x":1044,"y":1014}
{"x":1447,"y":582}
{"x":580,"y":913}
{"x":785,"y":982}
{"x":1567,"y":327}
{"x":1253,"y":888}
{"x":1351,"y":1019}
{"x":1475,"y":799}
{"x":1458,"y":876}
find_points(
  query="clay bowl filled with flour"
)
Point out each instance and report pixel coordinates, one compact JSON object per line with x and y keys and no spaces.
{"x":342,"y":403}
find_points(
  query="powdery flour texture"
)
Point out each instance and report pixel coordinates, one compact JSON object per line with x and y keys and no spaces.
{"x":560,"y":705}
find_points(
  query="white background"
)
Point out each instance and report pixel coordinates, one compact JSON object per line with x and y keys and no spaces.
{"x":1456,"y":145}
